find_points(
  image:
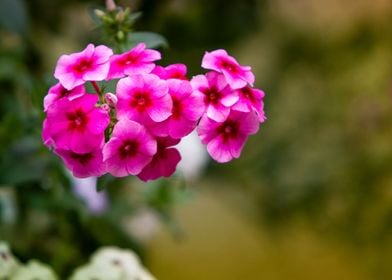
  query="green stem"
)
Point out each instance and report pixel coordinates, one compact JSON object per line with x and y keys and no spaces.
{"x":99,"y":92}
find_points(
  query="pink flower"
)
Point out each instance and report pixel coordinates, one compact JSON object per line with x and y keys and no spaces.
{"x":83,"y":165}
{"x":250,"y":99}
{"x":142,"y":96}
{"x":57,"y":92}
{"x":164,"y":162}
{"x":129,"y":150}
{"x":48,"y":142}
{"x":218,"y":96}
{"x":225,"y":140}
{"x":138,"y":60}
{"x":236,"y":75}
{"x":76,"y":125}
{"x":91,"y":64}
{"x":173,"y":71}
{"x":188,"y":106}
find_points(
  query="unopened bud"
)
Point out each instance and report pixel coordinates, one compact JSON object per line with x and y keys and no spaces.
{"x":105,"y":107}
{"x":120,"y":16}
{"x":110,"y":5}
{"x":120,"y":35}
{"x":99,"y":13}
{"x":111,"y":99}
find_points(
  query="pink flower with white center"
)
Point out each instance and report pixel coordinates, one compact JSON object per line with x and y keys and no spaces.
{"x":250,"y":99}
{"x":225,"y":140}
{"x":129,"y":149}
{"x":218,"y":96}
{"x":138,"y":60}
{"x":76,"y":125}
{"x":164,"y":162}
{"x":83,"y":165}
{"x":188,"y":106}
{"x":57,"y":92}
{"x":143,"y":96}
{"x":236,"y":75}
{"x":91,"y":64}
{"x":172,"y":71}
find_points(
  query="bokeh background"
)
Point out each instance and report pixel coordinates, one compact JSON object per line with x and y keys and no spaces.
{"x":311,"y":195}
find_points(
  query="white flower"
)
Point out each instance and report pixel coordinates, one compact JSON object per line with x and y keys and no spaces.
{"x":111,"y":263}
{"x":34,"y":270}
{"x":8,"y":264}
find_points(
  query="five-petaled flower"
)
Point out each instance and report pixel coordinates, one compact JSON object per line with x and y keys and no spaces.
{"x":225,"y":140}
{"x":91,"y":64}
{"x":129,"y":149}
{"x":236,"y":75}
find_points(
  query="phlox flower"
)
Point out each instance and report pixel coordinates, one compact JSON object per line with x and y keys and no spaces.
{"x":76,"y":125}
{"x":48,"y":142}
{"x":164,"y":162}
{"x":57,"y":92}
{"x":188,"y":106}
{"x":143,"y":96}
{"x":138,"y":60}
{"x":250,"y":99}
{"x":218,"y":96}
{"x":236,"y":75}
{"x":172,"y":71}
{"x":225,"y":140}
{"x":129,"y":149}
{"x":91,"y":64}
{"x":83,"y":165}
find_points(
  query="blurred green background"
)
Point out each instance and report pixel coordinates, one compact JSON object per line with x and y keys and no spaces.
{"x":311,"y":195}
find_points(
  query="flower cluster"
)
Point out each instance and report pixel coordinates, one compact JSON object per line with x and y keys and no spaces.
{"x":134,"y":130}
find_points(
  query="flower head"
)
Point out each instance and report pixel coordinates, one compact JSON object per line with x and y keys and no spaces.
{"x":129,"y":150}
{"x":236,"y":75}
{"x":250,"y":99}
{"x":164,"y":162}
{"x":76,"y":125}
{"x":142,"y":96}
{"x":218,"y":96}
{"x":83,"y":165}
{"x":225,"y":140}
{"x":57,"y":92}
{"x":172,"y":71}
{"x":138,"y":60}
{"x":91,"y":64}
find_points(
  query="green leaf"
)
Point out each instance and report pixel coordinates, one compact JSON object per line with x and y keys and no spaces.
{"x":151,"y":39}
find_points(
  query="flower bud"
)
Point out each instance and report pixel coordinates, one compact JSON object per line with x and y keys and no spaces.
{"x":111,"y":99}
{"x":99,"y":13}
{"x":110,"y":5}
{"x":105,"y":107}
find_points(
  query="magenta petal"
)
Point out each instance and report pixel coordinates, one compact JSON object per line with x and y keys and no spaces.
{"x":161,"y":109}
{"x":219,"y":150}
{"x":218,"y":112}
{"x":236,"y":145}
{"x":163,"y":165}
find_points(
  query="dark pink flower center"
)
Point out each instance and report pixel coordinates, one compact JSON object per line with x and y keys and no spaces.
{"x":247,"y":93}
{"x":228,"y":130}
{"x":141,"y":101}
{"x":63,"y":91}
{"x":77,"y":120}
{"x":177,"y":108}
{"x":83,"y":159}
{"x":128,"y":149}
{"x":212,"y":95}
{"x":229,"y":66}
{"x":83,"y":65}
{"x":129,"y":59}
